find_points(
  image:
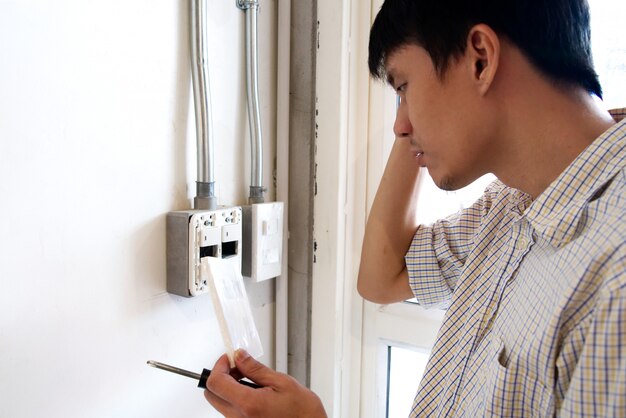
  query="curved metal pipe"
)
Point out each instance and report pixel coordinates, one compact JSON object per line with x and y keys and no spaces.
{"x":251,"y":8}
{"x":205,"y":184}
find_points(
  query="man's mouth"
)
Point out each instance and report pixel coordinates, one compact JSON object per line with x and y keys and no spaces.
{"x":419,"y":158}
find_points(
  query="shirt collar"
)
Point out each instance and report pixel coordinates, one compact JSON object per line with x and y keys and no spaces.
{"x":556,"y":213}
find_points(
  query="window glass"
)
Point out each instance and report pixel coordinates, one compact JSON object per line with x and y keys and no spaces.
{"x":406,"y":368}
{"x":608,"y":44}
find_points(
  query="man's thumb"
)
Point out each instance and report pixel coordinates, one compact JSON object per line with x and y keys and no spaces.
{"x":252,"y":369}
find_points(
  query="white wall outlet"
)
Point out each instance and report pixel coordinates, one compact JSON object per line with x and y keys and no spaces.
{"x":263,"y":240}
{"x":193,"y":235}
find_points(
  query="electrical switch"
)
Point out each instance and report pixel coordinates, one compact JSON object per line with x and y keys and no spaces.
{"x":263,"y":240}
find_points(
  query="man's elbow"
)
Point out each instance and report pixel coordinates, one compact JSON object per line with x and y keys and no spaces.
{"x":366,"y":288}
{"x":375,"y":294}
{"x":383,"y":290}
{"x":363,"y":290}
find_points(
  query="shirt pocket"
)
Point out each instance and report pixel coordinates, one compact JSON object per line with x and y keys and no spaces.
{"x":511,"y":391}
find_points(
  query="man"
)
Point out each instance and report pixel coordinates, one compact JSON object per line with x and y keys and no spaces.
{"x":533,"y":275}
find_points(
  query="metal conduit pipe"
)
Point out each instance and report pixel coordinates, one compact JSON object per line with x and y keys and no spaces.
{"x":205,"y":184}
{"x":251,"y":8}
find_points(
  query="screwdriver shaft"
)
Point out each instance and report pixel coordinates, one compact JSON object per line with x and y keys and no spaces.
{"x":173,"y":369}
{"x":201,"y":378}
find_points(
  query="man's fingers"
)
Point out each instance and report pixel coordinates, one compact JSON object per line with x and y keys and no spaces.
{"x":254,"y":370}
{"x":219,"y":404}
{"x":222,"y":365}
{"x":224,"y":386}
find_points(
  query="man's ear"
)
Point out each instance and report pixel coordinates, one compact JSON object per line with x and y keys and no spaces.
{"x":483,"y":54}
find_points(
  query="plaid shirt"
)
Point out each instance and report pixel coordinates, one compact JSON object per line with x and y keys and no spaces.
{"x":536,"y":296}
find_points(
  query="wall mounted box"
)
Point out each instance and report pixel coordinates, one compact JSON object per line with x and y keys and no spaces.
{"x":195,"y":234}
{"x":262,"y":240}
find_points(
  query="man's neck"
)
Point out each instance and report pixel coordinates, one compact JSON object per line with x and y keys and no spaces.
{"x":546,"y":135}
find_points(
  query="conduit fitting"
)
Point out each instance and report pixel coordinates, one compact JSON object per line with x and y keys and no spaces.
{"x":205,"y":196}
{"x":247,"y":4}
{"x":256,"y":195}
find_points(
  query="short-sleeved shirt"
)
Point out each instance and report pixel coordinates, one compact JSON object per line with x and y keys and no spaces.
{"x":535,"y":293}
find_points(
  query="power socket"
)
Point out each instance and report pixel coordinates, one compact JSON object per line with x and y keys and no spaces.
{"x":195,"y":234}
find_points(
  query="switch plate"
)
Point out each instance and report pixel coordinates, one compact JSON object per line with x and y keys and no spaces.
{"x":263,"y":240}
{"x":195,"y":234}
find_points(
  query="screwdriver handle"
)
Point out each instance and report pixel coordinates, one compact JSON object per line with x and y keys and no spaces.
{"x":203,"y":377}
{"x":206,"y":373}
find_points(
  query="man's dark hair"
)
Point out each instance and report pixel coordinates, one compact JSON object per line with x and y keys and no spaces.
{"x":553,"y":34}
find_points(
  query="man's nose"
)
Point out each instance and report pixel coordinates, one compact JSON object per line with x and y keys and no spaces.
{"x":402,"y":126}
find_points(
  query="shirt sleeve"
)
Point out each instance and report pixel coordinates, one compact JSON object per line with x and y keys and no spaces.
{"x":438,"y":252}
{"x":598,"y":385}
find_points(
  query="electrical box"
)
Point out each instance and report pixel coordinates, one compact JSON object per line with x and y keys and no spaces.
{"x":195,"y":234}
{"x":262,"y":240}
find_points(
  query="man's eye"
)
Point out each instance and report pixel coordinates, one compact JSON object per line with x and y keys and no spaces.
{"x":401,"y":88}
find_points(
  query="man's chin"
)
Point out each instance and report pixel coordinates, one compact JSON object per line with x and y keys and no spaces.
{"x":449,"y":184}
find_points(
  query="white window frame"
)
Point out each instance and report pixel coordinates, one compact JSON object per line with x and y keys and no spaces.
{"x":352,"y":146}
{"x":339,"y":213}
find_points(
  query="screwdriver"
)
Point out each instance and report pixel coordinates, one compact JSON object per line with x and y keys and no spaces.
{"x":200,"y":377}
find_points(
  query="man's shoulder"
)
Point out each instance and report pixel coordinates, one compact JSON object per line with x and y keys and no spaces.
{"x":606,"y":229}
{"x":607,"y":209}
{"x":618,"y":114}
{"x":499,"y":194}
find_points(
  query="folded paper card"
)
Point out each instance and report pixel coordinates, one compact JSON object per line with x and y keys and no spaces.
{"x":232,"y":307}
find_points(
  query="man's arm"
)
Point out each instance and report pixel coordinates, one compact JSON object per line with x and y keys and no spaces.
{"x":391,"y":224}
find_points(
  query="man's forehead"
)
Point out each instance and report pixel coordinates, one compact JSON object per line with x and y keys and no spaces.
{"x":392,"y":61}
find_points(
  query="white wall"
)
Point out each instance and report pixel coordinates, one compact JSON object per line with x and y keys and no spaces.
{"x":96,"y":146}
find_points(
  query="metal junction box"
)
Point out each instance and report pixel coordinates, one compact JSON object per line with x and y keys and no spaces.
{"x":195,"y":234}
